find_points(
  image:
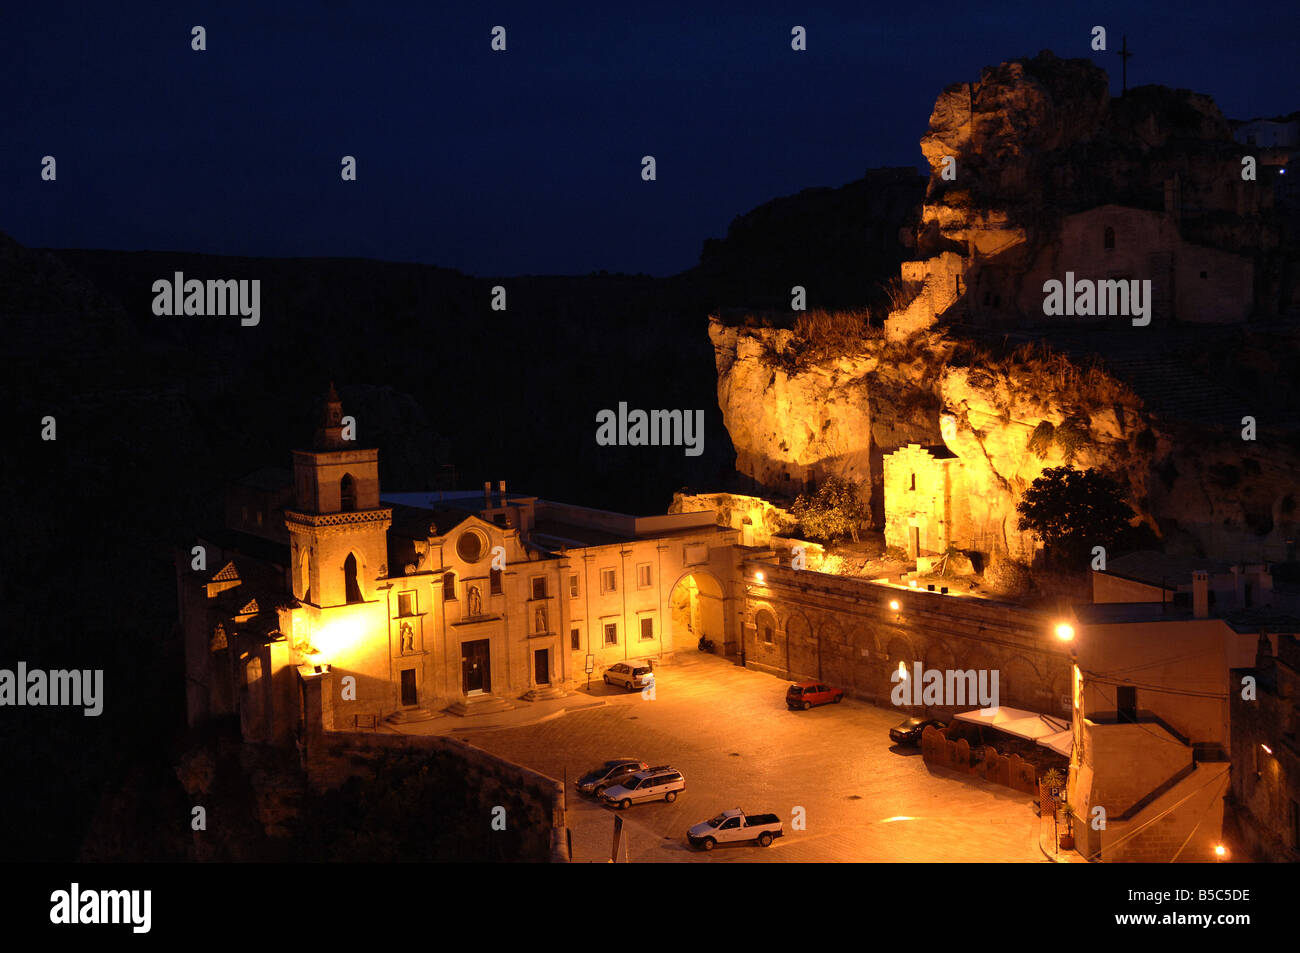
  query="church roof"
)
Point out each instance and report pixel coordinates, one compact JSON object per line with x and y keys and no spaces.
{"x":269,"y":479}
{"x":419,"y":522}
{"x":235,"y":544}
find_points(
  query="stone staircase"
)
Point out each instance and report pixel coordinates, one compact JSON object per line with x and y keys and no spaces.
{"x":480,"y":705}
{"x":408,"y":715}
{"x":543,"y":692}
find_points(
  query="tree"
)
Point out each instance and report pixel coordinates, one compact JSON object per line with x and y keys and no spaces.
{"x":1072,"y":511}
{"x":834,"y":511}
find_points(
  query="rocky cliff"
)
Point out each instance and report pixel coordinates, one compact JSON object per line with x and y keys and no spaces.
{"x":1034,"y":141}
{"x":1008,"y":413}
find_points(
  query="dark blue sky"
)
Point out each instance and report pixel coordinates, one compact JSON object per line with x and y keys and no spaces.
{"x":526,"y":161}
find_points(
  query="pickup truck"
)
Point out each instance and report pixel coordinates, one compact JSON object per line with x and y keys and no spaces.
{"x":735,"y":826}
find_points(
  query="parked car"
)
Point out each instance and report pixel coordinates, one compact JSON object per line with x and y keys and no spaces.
{"x":735,"y":826}
{"x":629,"y":674}
{"x":608,"y":774}
{"x":650,"y":785}
{"x":910,"y":731}
{"x":806,"y":694}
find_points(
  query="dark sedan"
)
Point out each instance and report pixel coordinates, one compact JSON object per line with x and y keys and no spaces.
{"x":608,"y":774}
{"x":910,"y":731}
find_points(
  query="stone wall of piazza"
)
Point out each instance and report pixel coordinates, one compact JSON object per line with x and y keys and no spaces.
{"x":805,"y":625}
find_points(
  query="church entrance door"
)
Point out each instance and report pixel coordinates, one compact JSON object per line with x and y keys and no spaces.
{"x":475,"y":669}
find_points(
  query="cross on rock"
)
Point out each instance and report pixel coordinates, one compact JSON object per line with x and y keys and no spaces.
{"x":1123,"y":53}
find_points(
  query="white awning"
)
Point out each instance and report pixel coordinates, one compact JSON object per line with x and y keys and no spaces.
{"x":1049,"y":731}
{"x":1062,"y":742}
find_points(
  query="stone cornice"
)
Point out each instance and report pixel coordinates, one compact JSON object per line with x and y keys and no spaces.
{"x":349,"y":518}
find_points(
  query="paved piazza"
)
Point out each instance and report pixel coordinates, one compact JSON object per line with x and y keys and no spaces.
{"x":727,"y":729}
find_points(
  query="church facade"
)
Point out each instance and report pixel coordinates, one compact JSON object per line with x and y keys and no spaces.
{"x":398,"y":607}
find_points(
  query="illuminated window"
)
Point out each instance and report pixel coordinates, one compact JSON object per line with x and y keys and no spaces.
{"x":643,"y":576}
{"x":608,"y":581}
{"x":573,"y":586}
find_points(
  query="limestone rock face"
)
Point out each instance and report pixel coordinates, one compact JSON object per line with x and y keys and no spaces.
{"x":1203,"y":490}
{"x":793,"y":427}
{"x":1040,"y":151}
{"x":990,"y":419}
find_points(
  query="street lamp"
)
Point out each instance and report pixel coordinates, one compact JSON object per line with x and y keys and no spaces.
{"x":1065,"y":632}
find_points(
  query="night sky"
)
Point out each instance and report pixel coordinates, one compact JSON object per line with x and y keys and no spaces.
{"x":526,"y":161}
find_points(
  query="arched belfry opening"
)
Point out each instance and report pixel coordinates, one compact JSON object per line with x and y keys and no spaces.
{"x":306,"y":575}
{"x":352,"y":589}
{"x":347,"y":493}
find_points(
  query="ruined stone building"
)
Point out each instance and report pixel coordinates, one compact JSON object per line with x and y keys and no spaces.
{"x":920,"y":486}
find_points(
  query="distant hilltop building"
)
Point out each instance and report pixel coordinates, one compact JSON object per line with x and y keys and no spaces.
{"x":320,"y":591}
{"x":1036,"y":171}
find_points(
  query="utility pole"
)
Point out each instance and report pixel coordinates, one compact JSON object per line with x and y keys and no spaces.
{"x":1124,"y":55}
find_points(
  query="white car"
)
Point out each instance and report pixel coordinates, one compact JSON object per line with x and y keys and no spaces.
{"x":735,"y":826}
{"x":661,"y":782}
{"x":630,"y":675}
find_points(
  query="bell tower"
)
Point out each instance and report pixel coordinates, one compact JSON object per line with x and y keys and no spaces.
{"x":338,"y":530}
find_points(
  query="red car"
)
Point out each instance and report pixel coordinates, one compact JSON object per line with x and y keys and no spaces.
{"x":806,"y":694}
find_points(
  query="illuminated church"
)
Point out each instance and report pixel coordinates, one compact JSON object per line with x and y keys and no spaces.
{"x":321,"y":592}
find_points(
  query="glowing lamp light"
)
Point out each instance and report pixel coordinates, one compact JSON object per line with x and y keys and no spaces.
{"x":759,"y":577}
{"x":1220,"y":850}
{"x":1065,"y":632}
{"x":893,"y":604}
{"x":902,"y":670}
{"x":900,"y":817}
{"x":1266,"y":748}
{"x":911,"y":583}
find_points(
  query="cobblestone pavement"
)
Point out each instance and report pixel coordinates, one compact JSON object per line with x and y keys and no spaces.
{"x":728,"y":730}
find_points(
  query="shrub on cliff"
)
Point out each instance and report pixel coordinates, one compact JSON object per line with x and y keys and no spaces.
{"x":1072,"y":511}
{"x":833,"y":512}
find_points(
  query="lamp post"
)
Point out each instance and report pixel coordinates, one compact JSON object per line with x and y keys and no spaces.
{"x":1064,"y":631}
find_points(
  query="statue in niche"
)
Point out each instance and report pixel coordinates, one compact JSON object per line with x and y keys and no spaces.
{"x":541,"y":619}
{"x":475,"y":601}
{"x":408,"y":637}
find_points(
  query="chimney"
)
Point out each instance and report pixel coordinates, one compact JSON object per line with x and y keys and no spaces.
{"x":1200,"y":594}
{"x":487,"y":494}
{"x":501,"y":486}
